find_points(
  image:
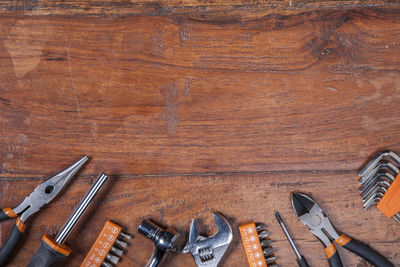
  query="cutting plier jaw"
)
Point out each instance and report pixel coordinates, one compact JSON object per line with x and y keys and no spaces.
{"x":311,"y":215}
{"x":48,"y":190}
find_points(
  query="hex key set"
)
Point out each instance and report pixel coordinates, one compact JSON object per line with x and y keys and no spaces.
{"x":380,"y":184}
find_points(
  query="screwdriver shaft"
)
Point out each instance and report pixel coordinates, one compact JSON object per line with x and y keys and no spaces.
{"x":80,"y":209}
{"x":278,"y":217}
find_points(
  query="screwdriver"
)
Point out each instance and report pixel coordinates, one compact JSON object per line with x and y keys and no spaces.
{"x":300,"y":259}
{"x":52,"y":252}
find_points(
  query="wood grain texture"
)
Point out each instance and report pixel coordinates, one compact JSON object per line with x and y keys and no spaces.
{"x":148,"y":95}
{"x":216,"y":10}
{"x":198,"y":112}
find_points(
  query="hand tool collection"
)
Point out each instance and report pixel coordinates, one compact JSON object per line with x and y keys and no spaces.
{"x":380,"y":185}
{"x":53,"y":252}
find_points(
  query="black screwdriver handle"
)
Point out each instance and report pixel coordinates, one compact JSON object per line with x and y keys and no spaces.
{"x":364,"y":251}
{"x":333,"y":256}
{"x":12,"y":242}
{"x":302,"y":262}
{"x":49,"y":254}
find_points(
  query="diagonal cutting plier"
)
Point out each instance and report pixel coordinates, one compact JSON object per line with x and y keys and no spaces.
{"x":43,"y":194}
{"x":310,"y":214}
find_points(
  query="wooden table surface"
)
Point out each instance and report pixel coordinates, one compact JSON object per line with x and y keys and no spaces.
{"x":193,"y":107}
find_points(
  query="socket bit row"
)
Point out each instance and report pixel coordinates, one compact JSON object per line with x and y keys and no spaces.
{"x":257,"y":245}
{"x":108,"y":248}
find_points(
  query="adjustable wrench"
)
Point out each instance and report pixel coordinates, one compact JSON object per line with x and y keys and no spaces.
{"x":208,"y":251}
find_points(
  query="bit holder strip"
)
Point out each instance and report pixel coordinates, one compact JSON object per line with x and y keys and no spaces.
{"x":104,"y":248}
{"x":256,"y":246}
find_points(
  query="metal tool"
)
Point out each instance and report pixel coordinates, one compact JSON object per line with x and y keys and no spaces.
{"x":380,"y":184}
{"x":385,"y":155}
{"x":104,"y":250}
{"x":164,"y":240}
{"x":256,"y":245}
{"x":310,"y":214}
{"x":53,"y":252}
{"x":43,"y":194}
{"x":300,"y":259}
{"x":208,"y":251}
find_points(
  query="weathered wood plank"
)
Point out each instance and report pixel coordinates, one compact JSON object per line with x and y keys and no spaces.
{"x":151,"y":95}
{"x":174,"y":201}
{"x":221,"y":10}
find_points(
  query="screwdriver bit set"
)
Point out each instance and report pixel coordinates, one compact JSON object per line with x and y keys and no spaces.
{"x":380,"y":184}
{"x":108,"y":247}
{"x":256,"y":244}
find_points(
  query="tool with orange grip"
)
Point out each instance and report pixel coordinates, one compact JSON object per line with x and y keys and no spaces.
{"x":310,"y":214}
{"x":256,"y":245}
{"x":108,"y":246}
{"x":43,"y":194}
{"x":52,"y":252}
{"x":380,"y":184}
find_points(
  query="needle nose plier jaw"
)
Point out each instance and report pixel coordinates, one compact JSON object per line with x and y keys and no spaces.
{"x":43,"y":194}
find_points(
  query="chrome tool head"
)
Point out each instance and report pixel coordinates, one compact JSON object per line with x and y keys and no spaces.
{"x":208,"y":251}
{"x":382,"y":166}
{"x":377,"y":178}
{"x":164,"y":240}
{"x":48,"y":190}
{"x":311,"y":215}
{"x":81,"y":208}
{"x":387,"y":155}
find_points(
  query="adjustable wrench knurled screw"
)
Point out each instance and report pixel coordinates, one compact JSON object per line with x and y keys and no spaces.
{"x":208,"y":251}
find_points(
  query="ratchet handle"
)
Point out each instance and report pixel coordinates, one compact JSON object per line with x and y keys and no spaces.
{"x":50,"y":254}
{"x":364,"y":251}
{"x":12,"y":241}
{"x":155,"y":259}
{"x":333,"y":256}
{"x":302,"y":262}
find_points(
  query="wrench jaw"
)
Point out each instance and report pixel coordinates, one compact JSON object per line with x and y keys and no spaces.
{"x":193,"y":233}
{"x":208,"y":251}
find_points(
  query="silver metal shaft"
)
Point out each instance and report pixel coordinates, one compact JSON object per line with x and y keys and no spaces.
{"x":76,"y":215}
{"x":278,"y":217}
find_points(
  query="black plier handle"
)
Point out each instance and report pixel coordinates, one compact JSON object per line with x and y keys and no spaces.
{"x":357,"y":247}
{"x":15,"y":235}
{"x":42,"y":195}
{"x":333,"y":256}
{"x":364,"y":251}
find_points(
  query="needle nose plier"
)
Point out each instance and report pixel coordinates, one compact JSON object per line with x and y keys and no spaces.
{"x":43,"y":194}
{"x":310,"y":214}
